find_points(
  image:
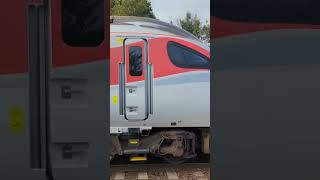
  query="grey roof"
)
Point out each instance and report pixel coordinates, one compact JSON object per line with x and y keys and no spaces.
{"x":152,"y":23}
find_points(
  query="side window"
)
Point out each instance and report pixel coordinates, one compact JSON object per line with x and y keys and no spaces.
{"x":185,"y":57}
{"x":83,"y":22}
{"x":135,"y":61}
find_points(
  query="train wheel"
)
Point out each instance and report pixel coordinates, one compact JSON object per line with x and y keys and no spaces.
{"x":178,"y":148}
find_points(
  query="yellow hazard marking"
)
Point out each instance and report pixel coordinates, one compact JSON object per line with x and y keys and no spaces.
{"x":120,"y":41}
{"x":138,"y":158}
{"x":16,"y":120}
{"x":115,"y":99}
{"x":133,"y":141}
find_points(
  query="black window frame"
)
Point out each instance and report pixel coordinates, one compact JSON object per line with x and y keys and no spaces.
{"x":190,"y":50}
{"x":82,"y":26}
{"x":134,"y":73}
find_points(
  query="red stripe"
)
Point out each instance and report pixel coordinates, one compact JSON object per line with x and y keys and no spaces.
{"x":157,"y":55}
{"x":221,"y":28}
{"x":13,"y":36}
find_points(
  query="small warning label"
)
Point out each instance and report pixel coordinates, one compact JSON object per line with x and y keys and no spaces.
{"x":16,"y":120}
{"x":115,"y":99}
{"x":120,"y":41}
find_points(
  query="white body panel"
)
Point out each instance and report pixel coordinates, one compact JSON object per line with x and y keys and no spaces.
{"x":183,"y":99}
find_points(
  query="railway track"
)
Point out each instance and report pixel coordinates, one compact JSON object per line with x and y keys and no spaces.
{"x":162,"y":171}
{"x":157,"y":169}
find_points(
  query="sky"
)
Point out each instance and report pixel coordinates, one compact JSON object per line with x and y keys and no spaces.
{"x":171,"y":10}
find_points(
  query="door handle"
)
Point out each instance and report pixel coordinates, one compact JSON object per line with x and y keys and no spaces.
{"x":150,"y":88}
{"x":66,"y":92}
{"x":121,"y":88}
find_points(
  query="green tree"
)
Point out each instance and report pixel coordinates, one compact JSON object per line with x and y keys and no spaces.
{"x":205,"y":32}
{"x":192,"y":24}
{"x":140,"y":8}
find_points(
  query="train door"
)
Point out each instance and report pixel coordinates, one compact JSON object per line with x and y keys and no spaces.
{"x":78,"y":90}
{"x":54,"y":90}
{"x":136,"y":76}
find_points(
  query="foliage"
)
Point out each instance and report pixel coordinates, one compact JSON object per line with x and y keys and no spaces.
{"x":192,"y":24}
{"x":141,"y":8}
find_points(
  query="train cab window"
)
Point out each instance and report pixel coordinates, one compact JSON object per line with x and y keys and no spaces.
{"x":135,"y":61}
{"x":185,"y":57}
{"x":83,"y":22}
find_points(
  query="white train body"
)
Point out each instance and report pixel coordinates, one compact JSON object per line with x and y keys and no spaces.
{"x":159,"y":79}
{"x":166,"y":95}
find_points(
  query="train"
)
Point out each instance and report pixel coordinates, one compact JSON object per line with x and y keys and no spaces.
{"x":55,"y":89}
{"x":159,"y":91}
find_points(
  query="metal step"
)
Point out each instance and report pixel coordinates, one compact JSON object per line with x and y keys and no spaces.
{"x":138,"y":158}
{"x":136,"y":151}
{"x":134,"y":142}
{"x":133,"y":137}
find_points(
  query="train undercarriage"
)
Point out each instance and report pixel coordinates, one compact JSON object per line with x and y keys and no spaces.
{"x":175,"y":146}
